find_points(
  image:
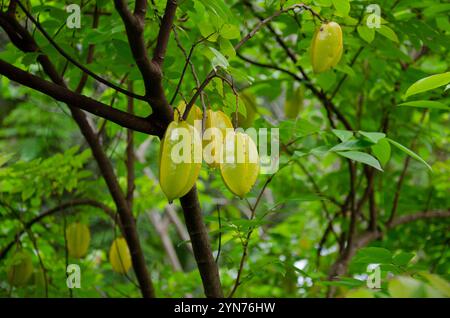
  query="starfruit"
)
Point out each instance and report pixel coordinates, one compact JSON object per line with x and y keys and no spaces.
{"x":78,"y":238}
{"x":240,"y":168}
{"x":194,"y":114}
{"x":326,"y":47}
{"x":178,"y":171}
{"x":216,"y":125}
{"x":119,"y":256}
{"x":21,"y":268}
{"x":293,"y":103}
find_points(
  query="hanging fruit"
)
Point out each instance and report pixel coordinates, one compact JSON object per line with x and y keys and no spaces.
{"x":240,"y":168}
{"x":119,"y":256}
{"x":294,"y":102}
{"x":178,"y":172}
{"x":212,"y":144}
{"x":20,"y":269}
{"x":78,"y":238}
{"x":326,"y":47}
{"x":194,"y":114}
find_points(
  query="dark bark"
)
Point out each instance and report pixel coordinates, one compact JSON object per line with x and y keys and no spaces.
{"x":127,"y":221}
{"x":200,"y":244}
{"x":151,"y":71}
{"x":155,"y":124}
{"x":88,"y":104}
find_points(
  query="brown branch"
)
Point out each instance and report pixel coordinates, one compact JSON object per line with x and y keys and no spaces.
{"x":151,"y":71}
{"x":246,"y":242}
{"x":198,"y":233}
{"x":270,"y":66}
{"x":126,"y":217}
{"x":162,"y":115}
{"x":164,"y":32}
{"x":90,"y":53}
{"x":79,"y":202}
{"x":145,"y":125}
{"x":152,"y":76}
{"x":329,"y":105}
{"x":130,"y":154}
{"x":403,"y":173}
{"x":353,"y":211}
{"x":125,"y":214}
{"x":72,"y":60}
{"x":249,"y":35}
{"x":340,"y":267}
{"x":188,"y":62}
{"x":265,"y":21}
{"x":352,"y":62}
{"x":404,"y":219}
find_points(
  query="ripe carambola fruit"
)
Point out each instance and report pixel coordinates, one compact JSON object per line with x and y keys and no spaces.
{"x":326,"y":47}
{"x":178,"y":170}
{"x":212,"y":144}
{"x":21,"y":269}
{"x":240,"y":168}
{"x":78,"y":238}
{"x":294,"y":103}
{"x":194,"y":114}
{"x":119,"y":256}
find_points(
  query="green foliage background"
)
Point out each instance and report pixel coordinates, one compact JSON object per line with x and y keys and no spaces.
{"x":44,"y":161}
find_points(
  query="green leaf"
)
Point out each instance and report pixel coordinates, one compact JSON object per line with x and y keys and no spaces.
{"x":387,"y":32}
{"x":230,"y":31}
{"x":409,"y":152}
{"x":382,"y":150}
{"x":403,"y":258}
{"x":428,"y":83}
{"x":367,"y":34}
{"x":425,"y":104}
{"x":361,"y":157}
{"x":354,"y":144}
{"x":342,"y":7}
{"x":344,"y":281}
{"x":343,"y":135}
{"x":227,"y":48}
{"x":372,"y":136}
{"x":377,"y":255}
{"x":218,"y":60}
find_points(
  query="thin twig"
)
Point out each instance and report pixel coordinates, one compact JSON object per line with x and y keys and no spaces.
{"x":73,"y":61}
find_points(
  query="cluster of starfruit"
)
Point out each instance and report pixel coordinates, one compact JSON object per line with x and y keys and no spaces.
{"x":20,"y":269}
{"x":217,"y":143}
{"x":78,"y":238}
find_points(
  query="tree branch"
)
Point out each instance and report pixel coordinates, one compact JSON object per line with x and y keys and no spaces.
{"x":72,"y":60}
{"x":151,"y":72}
{"x":126,"y":217}
{"x":328,"y":104}
{"x":340,"y":267}
{"x":198,"y":233}
{"x":124,"y":119}
{"x":164,"y":32}
{"x":129,"y":161}
{"x":27,"y":225}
